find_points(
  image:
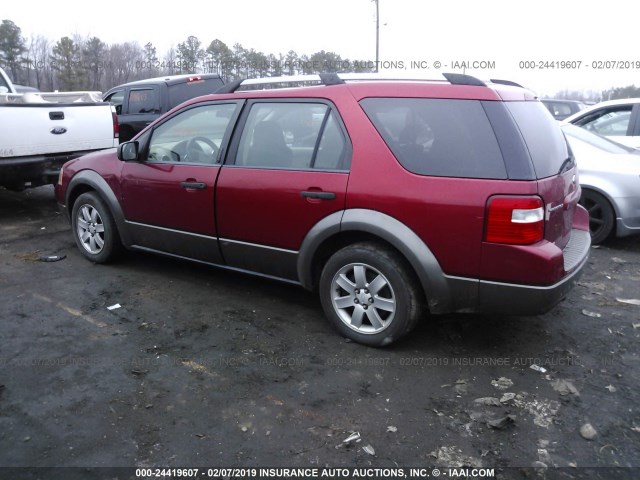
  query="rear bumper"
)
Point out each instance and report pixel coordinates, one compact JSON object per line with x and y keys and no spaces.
{"x":628,"y":215}
{"x":514,"y":299}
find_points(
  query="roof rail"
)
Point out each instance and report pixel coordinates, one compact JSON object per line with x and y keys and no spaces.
{"x":230,"y":87}
{"x":462,"y":79}
{"x":341,"y":78}
{"x":505,"y":82}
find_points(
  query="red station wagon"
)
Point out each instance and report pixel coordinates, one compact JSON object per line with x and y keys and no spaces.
{"x":392,"y":198}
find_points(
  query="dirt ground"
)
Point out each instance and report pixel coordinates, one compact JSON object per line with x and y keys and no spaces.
{"x":205,"y":368}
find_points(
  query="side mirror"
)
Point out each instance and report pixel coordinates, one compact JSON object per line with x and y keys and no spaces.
{"x":4,"y":89}
{"x":128,"y":151}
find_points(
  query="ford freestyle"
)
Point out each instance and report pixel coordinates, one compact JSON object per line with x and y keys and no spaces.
{"x":393,"y":199}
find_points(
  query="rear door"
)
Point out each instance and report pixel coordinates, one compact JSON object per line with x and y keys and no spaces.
{"x":288,"y":169}
{"x":168,"y":196}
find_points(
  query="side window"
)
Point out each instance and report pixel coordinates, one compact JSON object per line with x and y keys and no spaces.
{"x":143,"y":101}
{"x":116,"y":99}
{"x":450,"y":138}
{"x":192,"y":136}
{"x":297,"y":136}
{"x":608,"y":121}
{"x":331,"y":150}
{"x":561,"y":110}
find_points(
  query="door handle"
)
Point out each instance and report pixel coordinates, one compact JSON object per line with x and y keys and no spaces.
{"x":193,"y":185}
{"x":318,"y":195}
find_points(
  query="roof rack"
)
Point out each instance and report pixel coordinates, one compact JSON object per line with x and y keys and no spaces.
{"x":327,"y":79}
{"x":505,"y":82}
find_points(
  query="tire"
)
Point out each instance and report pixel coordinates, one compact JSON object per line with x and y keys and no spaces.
{"x":370,"y":295}
{"x":601,"y":215}
{"x":94,"y":229}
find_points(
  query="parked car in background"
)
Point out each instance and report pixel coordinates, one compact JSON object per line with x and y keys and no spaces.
{"x":140,"y":103}
{"x":618,"y":120}
{"x":561,"y":109}
{"x":390,"y":198}
{"x":40,"y":131}
{"x":610,"y":180}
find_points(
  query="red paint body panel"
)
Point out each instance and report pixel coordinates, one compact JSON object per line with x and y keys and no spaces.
{"x":264,"y":206}
{"x":151,"y":194}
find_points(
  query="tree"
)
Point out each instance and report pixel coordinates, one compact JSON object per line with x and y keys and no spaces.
{"x":12,"y":46}
{"x":291,"y":63}
{"x":257,"y":64}
{"x":276,"y":65}
{"x":40,"y":54}
{"x":218,"y":59}
{"x":361,"y":66}
{"x":239,"y":62}
{"x":150,"y":60}
{"x":170,"y":61}
{"x":630,"y":91}
{"x":325,"y":62}
{"x":190,"y":55}
{"x":93,"y":61}
{"x":66,"y":60}
{"x":124,"y":60}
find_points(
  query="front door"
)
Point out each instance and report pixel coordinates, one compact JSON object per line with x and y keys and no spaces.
{"x":168,"y":195}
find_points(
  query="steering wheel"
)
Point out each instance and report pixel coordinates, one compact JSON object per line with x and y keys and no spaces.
{"x":194,"y":149}
{"x":162,"y":154}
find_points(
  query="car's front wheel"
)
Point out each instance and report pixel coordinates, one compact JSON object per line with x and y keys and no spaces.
{"x":370,"y":294}
{"x":94,"y":229}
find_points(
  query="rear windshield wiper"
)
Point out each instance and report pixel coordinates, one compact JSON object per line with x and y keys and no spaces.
{"x":566,"y":165}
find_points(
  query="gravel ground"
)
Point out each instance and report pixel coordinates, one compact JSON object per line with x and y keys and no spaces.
{"x":202,"y":367}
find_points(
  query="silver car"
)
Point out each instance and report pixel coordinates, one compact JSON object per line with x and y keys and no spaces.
{"x":610,"y":179}
{"x":617,"y":120}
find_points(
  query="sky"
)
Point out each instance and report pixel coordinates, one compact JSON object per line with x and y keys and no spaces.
{"x":544,"y":45}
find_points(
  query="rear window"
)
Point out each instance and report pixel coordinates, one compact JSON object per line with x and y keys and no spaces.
{"x":181,"y":92}
{"x":438,"y":137}
{"x":542,"y":135}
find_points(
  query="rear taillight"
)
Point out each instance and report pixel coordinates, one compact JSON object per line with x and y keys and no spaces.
{"x":116,"y":126}
{"x":514,"y":220}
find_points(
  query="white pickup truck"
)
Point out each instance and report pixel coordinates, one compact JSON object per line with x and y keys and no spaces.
{"x":39,"y":132}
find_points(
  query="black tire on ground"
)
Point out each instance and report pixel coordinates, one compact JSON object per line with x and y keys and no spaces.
{"x":601,"y":215}
{"x":94,"y":229}
{"x":370,"y":294}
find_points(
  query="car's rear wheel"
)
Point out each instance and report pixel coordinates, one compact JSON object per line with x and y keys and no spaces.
{"x":601,"y":215}
{"x":95,"y":231}
{"x":369,"y":294}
